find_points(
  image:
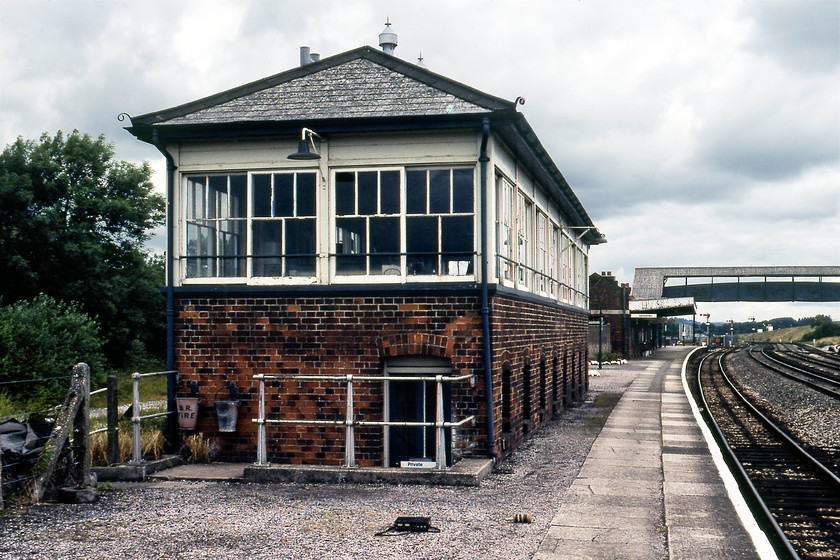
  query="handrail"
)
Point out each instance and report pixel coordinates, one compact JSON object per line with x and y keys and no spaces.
{"x":350,"y":422}
{"x":136,"y":417}
{"x":516,"y":266}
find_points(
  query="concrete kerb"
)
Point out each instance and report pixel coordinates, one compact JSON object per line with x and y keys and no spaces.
{"x":466,"y":472}
{"x":134,"y":472}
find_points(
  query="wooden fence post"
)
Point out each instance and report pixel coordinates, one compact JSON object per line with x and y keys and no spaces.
{"x":77,"y":398}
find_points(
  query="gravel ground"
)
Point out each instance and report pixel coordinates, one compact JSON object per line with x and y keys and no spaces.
{"x":812,"y":416}
{"x":229,"y":520}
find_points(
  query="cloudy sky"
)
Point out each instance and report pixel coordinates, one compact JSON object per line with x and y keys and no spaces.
{"x":695,"y":132}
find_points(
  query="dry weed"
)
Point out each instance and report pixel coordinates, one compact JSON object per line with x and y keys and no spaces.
{"x":199,"y":448}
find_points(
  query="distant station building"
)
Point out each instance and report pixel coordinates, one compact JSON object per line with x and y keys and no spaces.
{"x":635,"y":327}
{"x":393,"y":250}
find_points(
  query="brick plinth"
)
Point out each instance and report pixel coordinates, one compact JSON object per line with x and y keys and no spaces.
{"x":224,"y":339}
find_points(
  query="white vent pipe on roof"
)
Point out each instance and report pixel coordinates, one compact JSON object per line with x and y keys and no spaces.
{"x":388,"y":39}
{"x":307,"y":57}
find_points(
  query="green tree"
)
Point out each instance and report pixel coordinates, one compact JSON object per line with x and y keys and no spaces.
{"x":73,"y":221}
{"x":823,"y":327}
{"x":43,"y":339}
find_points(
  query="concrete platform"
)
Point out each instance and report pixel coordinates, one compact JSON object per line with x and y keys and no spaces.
{"x":649,"y":488}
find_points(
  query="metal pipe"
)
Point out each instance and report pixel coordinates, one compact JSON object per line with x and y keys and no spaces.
{"x":350,"y":434}
{"x":440,"y":439}
{"x":483,"y":159}
{"x":154,"y":373}
{"x":172,"y":430}
{"x":363,"y":377}
{"x":135,"y":418}
{"x":261,"y":446}
{"x":467,"y":420}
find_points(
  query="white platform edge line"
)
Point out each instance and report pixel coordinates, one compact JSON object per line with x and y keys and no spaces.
{"x":759,"y":538}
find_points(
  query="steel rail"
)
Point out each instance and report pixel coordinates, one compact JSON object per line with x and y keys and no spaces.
{"x":833,"y":389}
{"x":767,"y":519}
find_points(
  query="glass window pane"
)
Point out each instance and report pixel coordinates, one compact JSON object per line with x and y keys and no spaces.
{"x":389,"y":192}
{"x":268,"y":240}
{"x":305,"y":194}
{"x":217,"y":196}
{"x":457,"y":245}
{"x":457,"y":234}
{"x":385,"y":238}
{"x":193,"y":238}
{"x":283,"y":194}
{"x":367,"y":193}
{"x":232,"y":237}
{"x":237,"y":196}
{"x":415,"y":192}
{"x":231,"y":244}
{"x":201,"y":242}
{"x":421,"y":237}
{"x":350,"y":240}
{"x":439,"y":191}
{"x":300,"y":240}
{"x":261,"y":195}
{"x":345,"y":194}
{"x":463,"y":188}
{"x":350,"y":236}
{"x":384,"y":235}
{"x":268,"y":237}
{"x":195,"y":197}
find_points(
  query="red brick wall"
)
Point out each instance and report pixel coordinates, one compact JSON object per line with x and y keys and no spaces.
{"x":526,"y":336}
{"x":224,"y":339}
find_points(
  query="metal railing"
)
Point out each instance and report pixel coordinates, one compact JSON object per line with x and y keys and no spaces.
{"x":350,"y":422}
{"x":532,"y":280}
{"x":136,"y":418}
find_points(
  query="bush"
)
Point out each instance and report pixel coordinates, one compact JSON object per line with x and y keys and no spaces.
{"x":824,"y":327}
{"x":45,"y":338}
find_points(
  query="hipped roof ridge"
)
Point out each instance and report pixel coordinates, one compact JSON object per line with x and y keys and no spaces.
{"x":390,"y":62}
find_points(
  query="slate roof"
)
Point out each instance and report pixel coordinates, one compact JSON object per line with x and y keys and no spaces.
{"x":362,"y":83}
{"x":352,"y":90}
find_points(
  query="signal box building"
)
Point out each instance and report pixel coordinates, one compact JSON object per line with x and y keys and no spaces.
{"x":362,"y":216}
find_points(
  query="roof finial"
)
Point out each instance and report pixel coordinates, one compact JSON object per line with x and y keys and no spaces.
{"x":388,"y":39}
{"x":420,"y":62}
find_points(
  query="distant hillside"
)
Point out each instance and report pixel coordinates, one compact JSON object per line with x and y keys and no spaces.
{"x":783,"y":335}
{"x":786,"y":335}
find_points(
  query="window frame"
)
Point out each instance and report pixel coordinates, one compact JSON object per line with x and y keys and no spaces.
{"x":404,"y":276}
{"x":249,"y":220}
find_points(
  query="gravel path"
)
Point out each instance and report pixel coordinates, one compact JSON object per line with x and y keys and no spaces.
{"x":224,"y":520}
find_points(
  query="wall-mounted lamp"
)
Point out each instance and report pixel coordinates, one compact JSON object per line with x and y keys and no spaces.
{"x":303,"y":152}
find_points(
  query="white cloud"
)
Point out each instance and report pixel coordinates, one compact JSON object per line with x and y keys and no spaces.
{"x":693,"y":132}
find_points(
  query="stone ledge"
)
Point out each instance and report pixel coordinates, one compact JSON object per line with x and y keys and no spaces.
{"x":466,"y":472}
{"x":134,"y":472}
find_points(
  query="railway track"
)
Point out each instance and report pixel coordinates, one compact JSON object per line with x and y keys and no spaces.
{"x":794,"y":496}
{"x":820,"y":375}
